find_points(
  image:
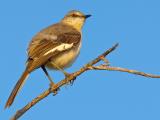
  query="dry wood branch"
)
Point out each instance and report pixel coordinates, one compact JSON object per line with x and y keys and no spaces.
{"x":89,"y":66}
{"x":111,"y":68}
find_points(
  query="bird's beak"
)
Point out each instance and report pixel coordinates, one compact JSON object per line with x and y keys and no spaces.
{"x":87,"y":16}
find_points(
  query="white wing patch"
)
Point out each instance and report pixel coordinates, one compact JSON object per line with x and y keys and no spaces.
{"x":61,"y":47}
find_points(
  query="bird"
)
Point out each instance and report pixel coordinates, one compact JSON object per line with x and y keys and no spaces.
{"x":54,"y":47}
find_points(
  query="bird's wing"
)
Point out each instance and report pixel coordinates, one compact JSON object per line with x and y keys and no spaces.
{"x":45,"y":46}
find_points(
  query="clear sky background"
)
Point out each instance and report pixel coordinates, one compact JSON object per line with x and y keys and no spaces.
{"x":95,"y":95}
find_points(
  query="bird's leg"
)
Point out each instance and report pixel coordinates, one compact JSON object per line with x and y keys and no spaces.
{"x":64,"y":72}
{"x":49,"y":78}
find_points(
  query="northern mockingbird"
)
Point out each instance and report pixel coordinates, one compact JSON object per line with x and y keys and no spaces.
{"x":55,"y":47}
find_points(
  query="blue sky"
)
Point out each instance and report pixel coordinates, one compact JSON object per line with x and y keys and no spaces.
{"x":95,"y":95}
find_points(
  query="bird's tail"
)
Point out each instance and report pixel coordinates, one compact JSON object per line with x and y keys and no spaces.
{"x":16,"y":89}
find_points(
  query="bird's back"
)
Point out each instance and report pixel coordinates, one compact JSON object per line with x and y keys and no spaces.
{"x":49,"y":38}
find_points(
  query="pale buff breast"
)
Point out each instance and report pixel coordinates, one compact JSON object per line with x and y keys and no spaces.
{"x":65,"y":59}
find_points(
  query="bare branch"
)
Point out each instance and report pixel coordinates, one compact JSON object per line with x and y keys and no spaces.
{"x":89,"y":66}
{"x":20,"y":112}
{"x":110,"y":68}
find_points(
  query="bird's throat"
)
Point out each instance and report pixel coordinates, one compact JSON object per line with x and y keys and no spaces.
{"x":77,"y":25}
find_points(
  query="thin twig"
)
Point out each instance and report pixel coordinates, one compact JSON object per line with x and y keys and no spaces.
{"x":20,"y":112}
{"x":89,"y":66}
{"x":111,"y":68}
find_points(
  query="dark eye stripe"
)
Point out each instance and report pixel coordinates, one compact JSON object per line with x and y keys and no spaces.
{"x":75,"y":15}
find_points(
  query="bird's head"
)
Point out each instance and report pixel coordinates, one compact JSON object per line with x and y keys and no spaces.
{"x":75,"y":19}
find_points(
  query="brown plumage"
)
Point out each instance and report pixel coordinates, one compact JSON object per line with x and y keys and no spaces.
{"x":17,"y":87}
{"x":58,"y":44}
{"x":37,"y":48}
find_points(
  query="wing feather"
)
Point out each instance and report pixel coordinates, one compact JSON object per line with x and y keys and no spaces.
{"x":43,"y":47}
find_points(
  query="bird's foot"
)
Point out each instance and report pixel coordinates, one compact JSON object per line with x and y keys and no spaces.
{"x":68,"y":75}
{"x":55,"y":91}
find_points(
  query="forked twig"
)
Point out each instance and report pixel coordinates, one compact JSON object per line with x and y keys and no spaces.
{"x":89,"y":66}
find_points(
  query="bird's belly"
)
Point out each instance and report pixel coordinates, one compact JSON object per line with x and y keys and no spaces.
{"x":63,"y":60}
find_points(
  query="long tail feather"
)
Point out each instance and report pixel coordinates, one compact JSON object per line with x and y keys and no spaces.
{"x":17,"y":88}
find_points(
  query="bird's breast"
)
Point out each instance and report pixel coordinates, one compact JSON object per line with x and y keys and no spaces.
{"x":64,"y":59}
